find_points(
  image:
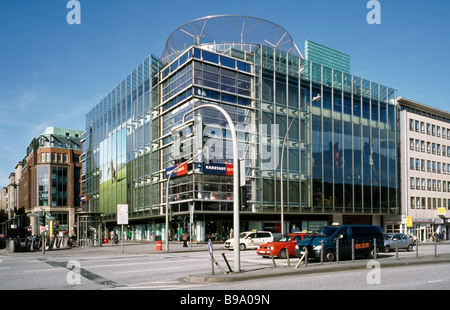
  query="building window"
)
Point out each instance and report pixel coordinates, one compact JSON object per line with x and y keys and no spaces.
{"x":59,"y":186}
{"x":43,"y":185}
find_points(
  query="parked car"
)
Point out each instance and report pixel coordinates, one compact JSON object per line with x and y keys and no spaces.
{"x":404,"y":242}
{"x":362,"y":235}
{"x":250,"y":240}
{"x":280,"y":244}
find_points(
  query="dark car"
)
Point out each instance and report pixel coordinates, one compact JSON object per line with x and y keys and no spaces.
{"x":363,"y":237}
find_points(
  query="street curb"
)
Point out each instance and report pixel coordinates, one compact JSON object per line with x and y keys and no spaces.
{"x":315,"y":268}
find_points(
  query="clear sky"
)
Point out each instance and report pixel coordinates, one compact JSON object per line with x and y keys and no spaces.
{"x":53,"y":73}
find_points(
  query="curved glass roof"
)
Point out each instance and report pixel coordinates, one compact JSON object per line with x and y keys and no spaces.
{"x":230,"y":29}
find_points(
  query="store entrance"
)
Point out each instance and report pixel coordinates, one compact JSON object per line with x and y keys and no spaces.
{"x":218,"y":230}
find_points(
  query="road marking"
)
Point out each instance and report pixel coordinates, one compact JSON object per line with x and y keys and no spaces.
{"x":435,"y":281}
{"x":140,"y":263}
{"x":145,"y":270}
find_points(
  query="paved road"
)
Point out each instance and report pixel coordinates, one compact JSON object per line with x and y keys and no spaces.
{"x":142,"y":267}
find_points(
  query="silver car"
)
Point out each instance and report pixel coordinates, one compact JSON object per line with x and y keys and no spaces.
{"x":404,"y":242}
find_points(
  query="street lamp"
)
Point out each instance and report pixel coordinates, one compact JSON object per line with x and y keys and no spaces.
{"x":237,"y":257}
{"x":317,"y":98}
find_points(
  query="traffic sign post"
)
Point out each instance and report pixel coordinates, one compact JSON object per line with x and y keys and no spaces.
{"x":122,"y":218}
{"x":213,"y":261}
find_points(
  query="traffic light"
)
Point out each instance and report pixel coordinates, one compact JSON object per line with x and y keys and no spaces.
{"x":198,"y":132}
{"x":41,"y":219}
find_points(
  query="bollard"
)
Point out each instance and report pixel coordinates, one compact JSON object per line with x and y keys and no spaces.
{"x":306,"y":258}
{"x":396,"y":248}
{"x":337,"y":250}
{"x":287,"y":256}
{"x":353,"y":250}
{"x":273,"y":260}
{"x":375,"y":250}
{"x":321,"y":252}
{"x":226,"y":261}
{"x":417,"y":248}
{"x":435,"y":247}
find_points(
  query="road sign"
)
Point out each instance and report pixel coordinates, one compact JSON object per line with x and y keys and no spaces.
{"x":409,"y":221}
{"x":122,"y":214}
{"x":210,"y":248}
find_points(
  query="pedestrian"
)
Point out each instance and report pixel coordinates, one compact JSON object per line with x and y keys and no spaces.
{"x":185,"y":239}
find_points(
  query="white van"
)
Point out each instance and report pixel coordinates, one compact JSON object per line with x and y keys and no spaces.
{"x":250,"y":240}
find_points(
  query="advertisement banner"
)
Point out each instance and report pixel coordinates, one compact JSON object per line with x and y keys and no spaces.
{"x":182,"y":170}
{"x":219,"y":169}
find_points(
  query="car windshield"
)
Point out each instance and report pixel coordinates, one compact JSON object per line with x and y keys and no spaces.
{"x":283,"y":238}
{"x":245,"y":234}
{"x":325,"y":231}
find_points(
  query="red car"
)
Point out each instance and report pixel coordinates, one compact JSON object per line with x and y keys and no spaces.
{"x":280,"y":244}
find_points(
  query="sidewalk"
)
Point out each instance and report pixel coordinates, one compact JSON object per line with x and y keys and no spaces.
{"x":130,"y":247}
{"x":313,"y":267}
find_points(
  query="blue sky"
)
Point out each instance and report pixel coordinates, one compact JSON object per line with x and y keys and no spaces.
{"x":53,"y":73}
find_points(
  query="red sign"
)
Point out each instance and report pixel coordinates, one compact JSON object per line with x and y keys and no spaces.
{"x":230,"y":169}
{"x":182,"y":170}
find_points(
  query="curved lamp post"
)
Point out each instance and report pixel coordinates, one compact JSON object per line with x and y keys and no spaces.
{"x":237,"y":258}
{"x":282,"y":158}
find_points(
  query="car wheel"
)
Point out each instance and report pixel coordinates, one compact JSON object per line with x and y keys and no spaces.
{"x":282,"y":254}
{"x":329,"y":256}
{"x":410,"y":248}
{"x":387,"y":249}
{"x":242,"y":247}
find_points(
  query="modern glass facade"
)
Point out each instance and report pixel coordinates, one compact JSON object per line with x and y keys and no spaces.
{"x":119,"y":162}
{"x":341,"y":156}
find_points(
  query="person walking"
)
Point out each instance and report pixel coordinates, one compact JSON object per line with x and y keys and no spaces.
{"x":185,"y":239}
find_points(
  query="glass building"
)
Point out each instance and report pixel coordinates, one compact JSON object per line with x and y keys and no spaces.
{"x":341,"y":156}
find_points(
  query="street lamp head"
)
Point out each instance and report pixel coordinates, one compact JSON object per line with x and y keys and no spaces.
{"x":316,"y":98}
